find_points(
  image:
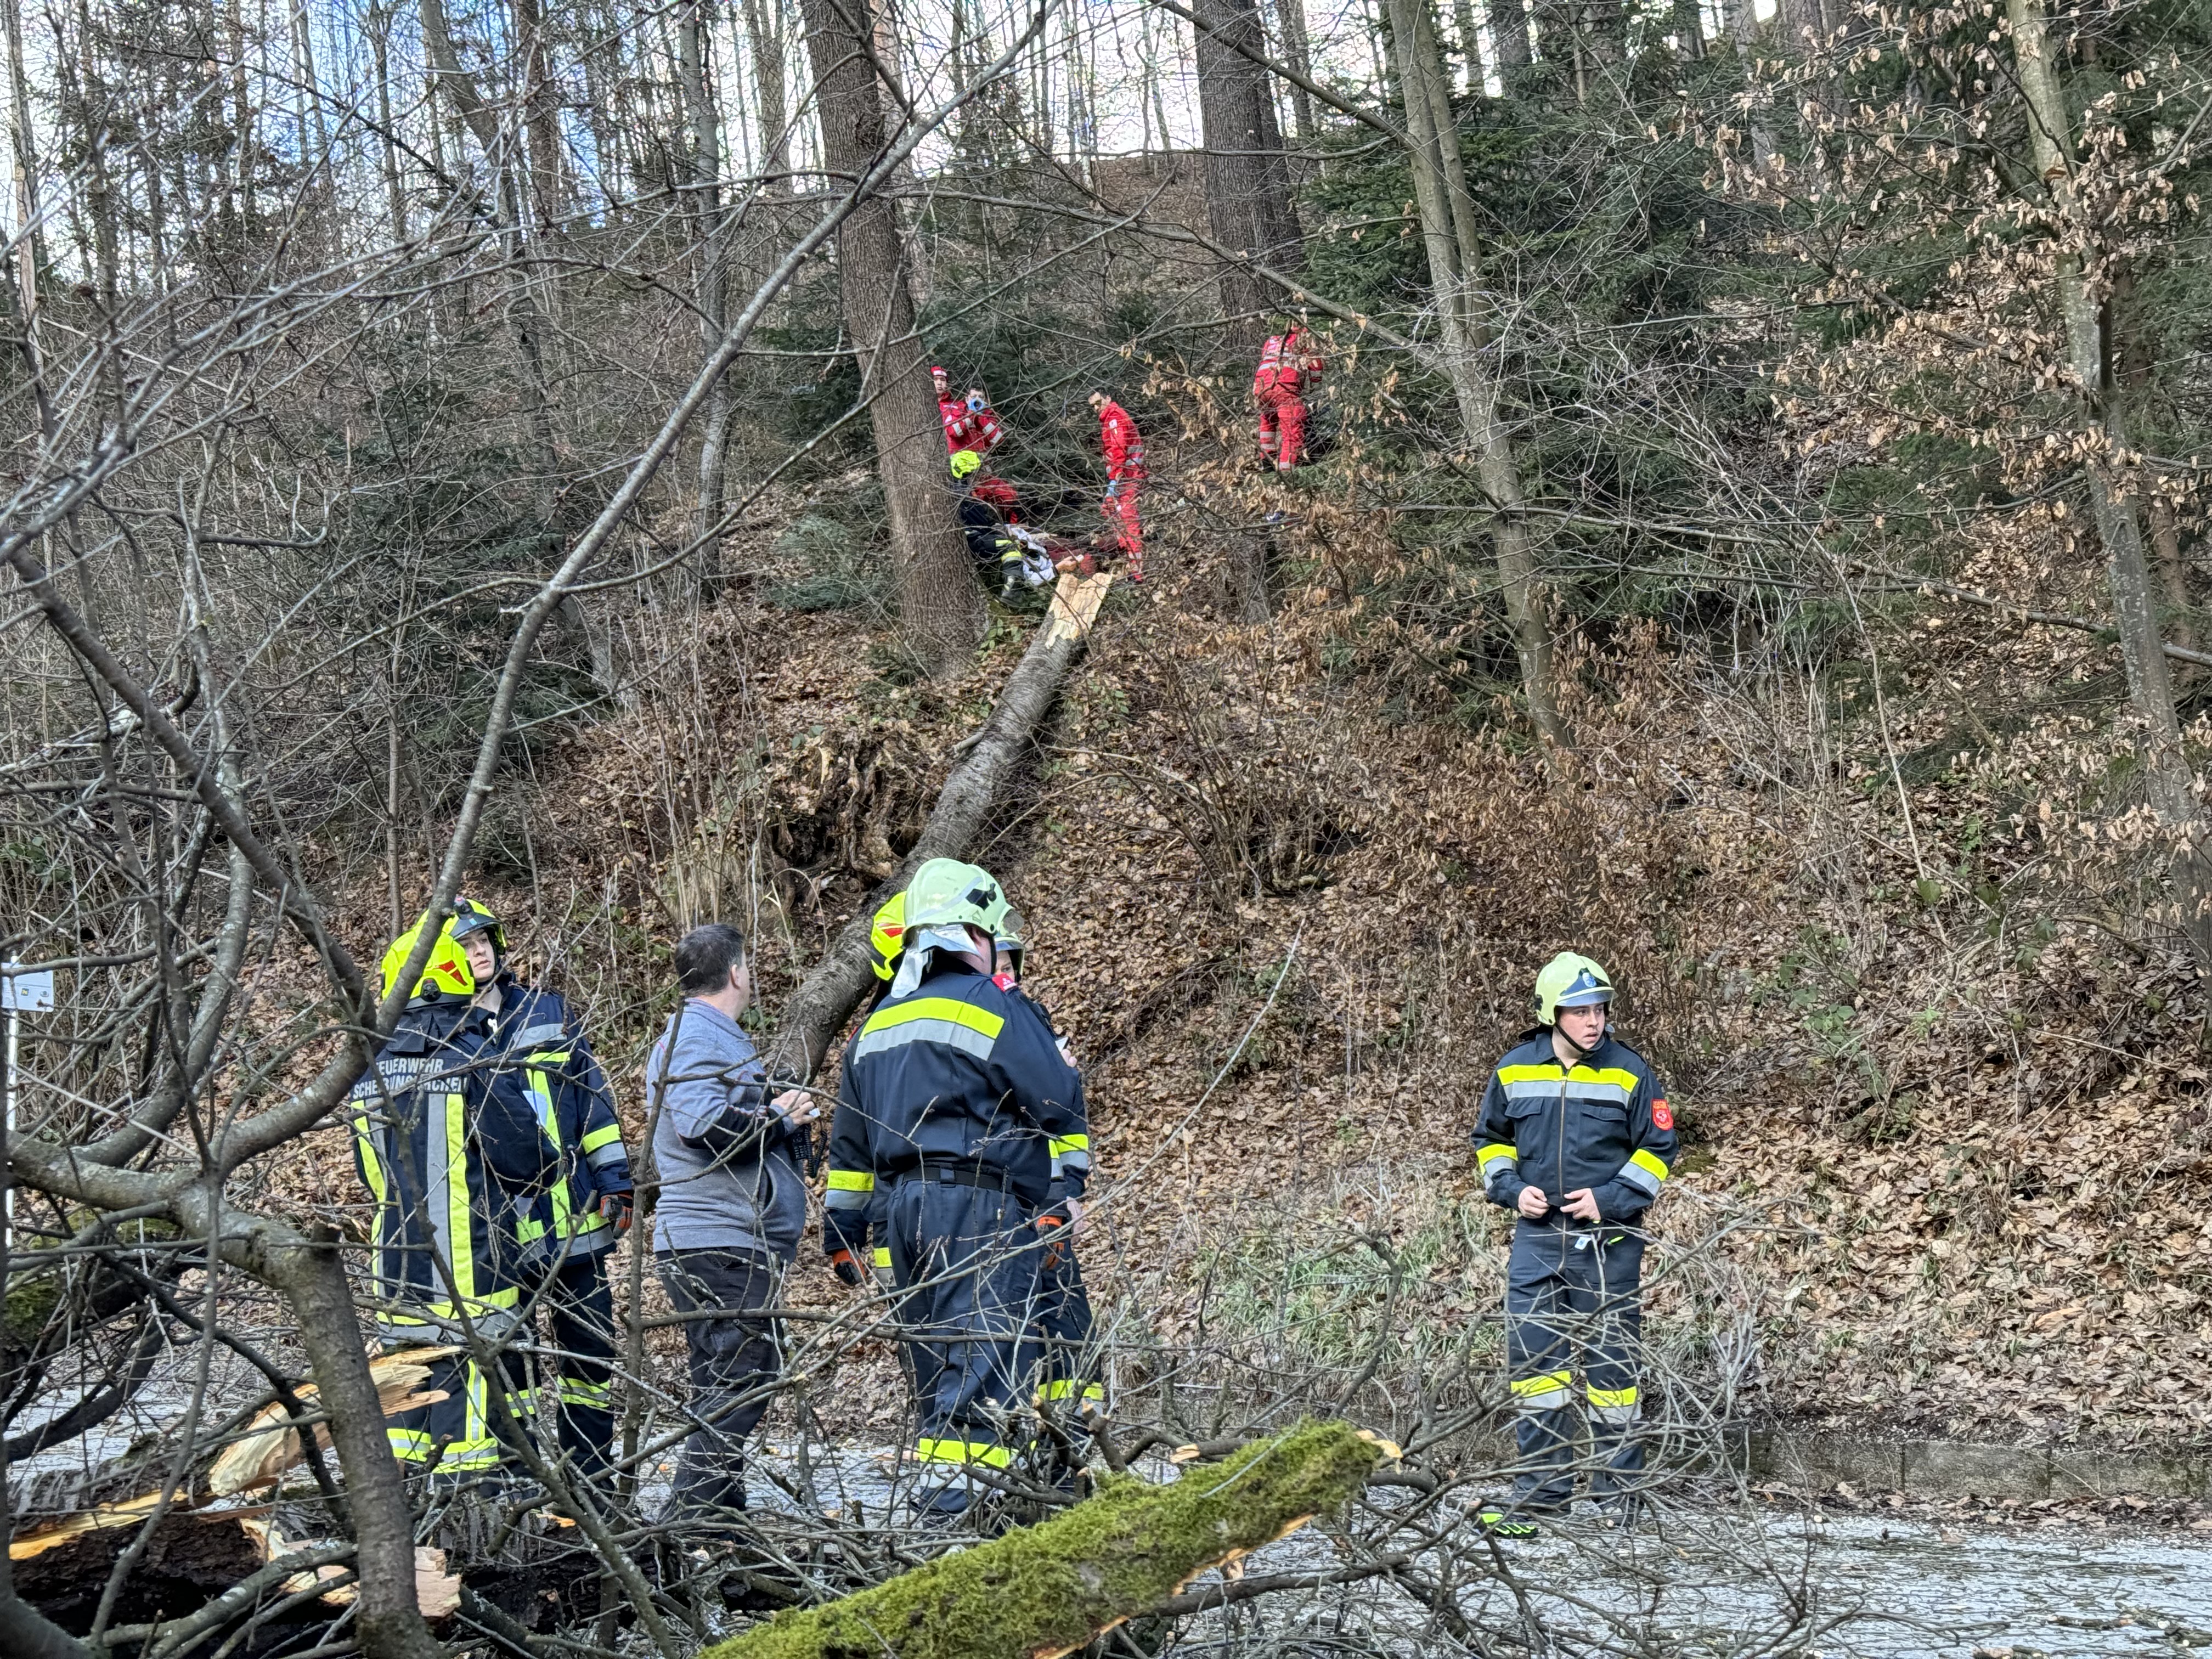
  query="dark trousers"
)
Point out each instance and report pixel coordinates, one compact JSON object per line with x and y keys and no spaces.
{"x":966,"y":1260}
{"x":580,"y":1317}
{"x":453,"y":1438}
{"x":1569,"y":1309}
{"x":1068,"y":1368}
{"x":733,"y":1362}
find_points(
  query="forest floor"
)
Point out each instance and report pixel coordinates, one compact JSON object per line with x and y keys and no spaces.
{"x":1946,"y":1147}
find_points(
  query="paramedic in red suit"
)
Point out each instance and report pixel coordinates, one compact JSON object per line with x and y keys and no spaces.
{"x":1289,"y":364}
{"x":970,"y":423}
{"x":1124,"y":446}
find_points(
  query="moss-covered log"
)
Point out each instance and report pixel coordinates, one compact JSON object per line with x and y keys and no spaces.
{"x":1048,"y":1589}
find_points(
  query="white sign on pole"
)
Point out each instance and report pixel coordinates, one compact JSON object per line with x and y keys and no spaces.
{"x":22,"y":993}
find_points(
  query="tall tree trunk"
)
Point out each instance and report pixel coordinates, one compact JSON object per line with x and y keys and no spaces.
{"x":2111,"y":490}
{"x":1509,"y":33}
{"x":1297,"y":52}
{"x":940,"y":608}
{"x":772,"y":115}
{"x":1451,"y":235}
{"x":1690,"y":28}
{"x":1470,"y":44}
{"x":712,"y":283}
{"x":541,"y":119}
{"x":387,"y":140}
{"x":1247,"y":181}
{"x":1743,"y":21}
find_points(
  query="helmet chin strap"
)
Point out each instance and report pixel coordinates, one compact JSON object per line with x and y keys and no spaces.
{"x":1559,"y":1028}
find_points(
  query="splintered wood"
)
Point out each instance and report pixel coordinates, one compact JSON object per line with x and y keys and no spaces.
{"x":1075,"y":602}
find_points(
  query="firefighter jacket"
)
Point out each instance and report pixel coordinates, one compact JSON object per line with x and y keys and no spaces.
{"x":1287,"y":360}
{"x":448,"y":1144}
{"x":540,"y":1037}
{"x":1123,"y":444}
{"x":962,"y":1073}
{"x":1603,"y":1124}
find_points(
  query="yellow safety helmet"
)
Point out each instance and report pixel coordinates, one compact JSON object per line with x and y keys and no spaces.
{"x":1570,"y":980}
{"x":447,"y":972}
{"x":946,"y":893}
{"x":965,"y":463}
{"x":470,"y":917}
{"x":885,"y":944}
{"x":1009,"y":931}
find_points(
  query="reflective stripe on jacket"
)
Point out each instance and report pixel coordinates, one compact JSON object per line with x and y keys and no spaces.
{"x":539,"y":1036}
{"x":1123,"y":444}
{"x":447,"y":1144}
{"x":1603,"y":1124}
{"x":962,"y":1071}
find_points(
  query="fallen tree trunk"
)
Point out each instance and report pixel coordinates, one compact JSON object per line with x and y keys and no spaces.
{"x":1043,"y":1591}
{"x":819,"y":1008}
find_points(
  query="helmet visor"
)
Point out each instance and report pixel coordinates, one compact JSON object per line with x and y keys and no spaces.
{"x":1012,"y":928}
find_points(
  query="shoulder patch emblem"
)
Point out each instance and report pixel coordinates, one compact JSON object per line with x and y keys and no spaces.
{"x":1661,"y":1117}
{"x":1004,"y":981}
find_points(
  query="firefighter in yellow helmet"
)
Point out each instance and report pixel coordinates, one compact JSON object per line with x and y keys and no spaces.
{"x":956,"y":1097}
{"x":567,"y":1230}
{"x":1067,"y":1368}
{"x":449,"y":1148}
{"x":1576,"y":1138}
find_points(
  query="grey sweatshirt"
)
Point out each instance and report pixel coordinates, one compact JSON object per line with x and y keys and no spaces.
{"x":728,"y":1177}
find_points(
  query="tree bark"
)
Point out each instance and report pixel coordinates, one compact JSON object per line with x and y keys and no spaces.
{"x":1743,"y":21}
{"x":1509,"y":33}
{"x":1297,"y":52}
{"x":1470,"y":44}
{"x":1044,"y":1591}
{"x":1452,"y":237}
{"x":819,"y":1008}
{"x":772,"y":115}
{"x":712,"y":283}
{"x":1247,"y":181}
{"x":940,"y":608}
{"x":2106,"y":472}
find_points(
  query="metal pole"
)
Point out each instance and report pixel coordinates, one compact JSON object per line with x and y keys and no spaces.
{"x":8,"y":1123}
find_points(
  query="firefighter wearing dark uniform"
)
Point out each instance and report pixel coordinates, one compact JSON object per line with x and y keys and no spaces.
{"x":1576,"y":1140}
{"x":955,"y":1096}
{"x":567,"y":1230}
{"x":1067,"y":1367}
{"x":448,"y":1147}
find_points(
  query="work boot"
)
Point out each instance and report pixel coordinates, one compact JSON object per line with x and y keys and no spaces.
{"x":1506,"y":1524}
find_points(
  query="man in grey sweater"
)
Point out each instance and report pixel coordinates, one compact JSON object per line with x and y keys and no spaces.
{"x":732,"y":1206}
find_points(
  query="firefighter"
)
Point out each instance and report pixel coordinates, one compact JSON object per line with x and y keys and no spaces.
{"x":448,"y":1147}
{"x":1289,"y":364}
{"x":1576,"y":1138}
{"x":970,"y":423}
{"x":988,"y":513}
{"x":1067,"y":1377}
{"x":956,"y":1097}
{"x":566,"y":1234}
{"x":1124,"y":448}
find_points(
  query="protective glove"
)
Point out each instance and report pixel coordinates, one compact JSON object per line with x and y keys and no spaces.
{"x":847,"y":1270}
{"x":617,"y":1209}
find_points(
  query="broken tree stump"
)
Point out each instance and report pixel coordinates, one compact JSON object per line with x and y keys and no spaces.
{"x":1043,"y":1591}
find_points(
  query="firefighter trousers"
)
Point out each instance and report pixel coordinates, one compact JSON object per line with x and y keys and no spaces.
{"x":1573,"y":1304}
{"x":453,"y":1439}
{"x":1282,"y":428}
{"x":580,"y":1321}
{"x":1068,"y":1366}
{"x":733,"y":1362}
{"x":966,"y":1260}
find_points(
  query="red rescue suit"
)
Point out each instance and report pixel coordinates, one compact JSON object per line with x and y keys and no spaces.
{"x":975,"y":428}
{"x":1288,"y":362}
{"x":1124,"y":446}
